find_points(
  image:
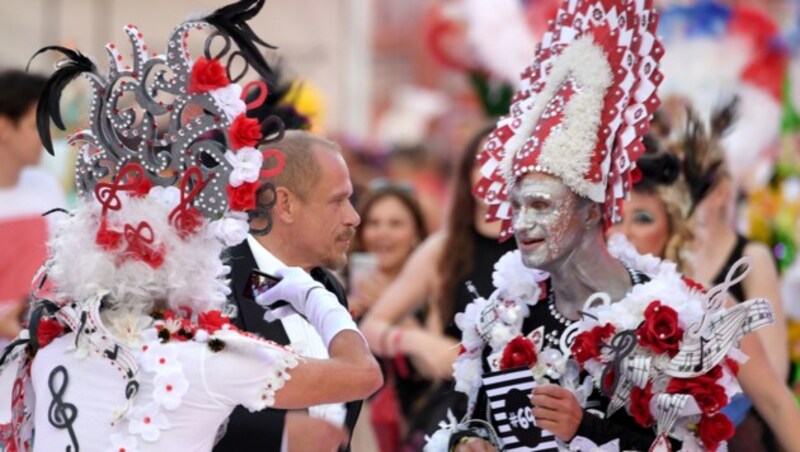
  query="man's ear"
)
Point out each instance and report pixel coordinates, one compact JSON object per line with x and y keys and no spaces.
{"x":285,"y":205}
{"x":594,"y":214}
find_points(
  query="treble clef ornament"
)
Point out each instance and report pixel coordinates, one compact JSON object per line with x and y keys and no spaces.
{"x":61,"y":414}
{"x":716,"y":296}
{"x":107,"y":193}
{"x":184,"y":215}
{"x":622,"y":345}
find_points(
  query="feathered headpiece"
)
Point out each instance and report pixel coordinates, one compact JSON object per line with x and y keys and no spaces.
{"x":171,"y":157}
{"x":582,"y":109}
{"x":703,"y":154}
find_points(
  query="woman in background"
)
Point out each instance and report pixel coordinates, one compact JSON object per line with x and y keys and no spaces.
{"x":392,"y":226}
{"x":436,"y":276}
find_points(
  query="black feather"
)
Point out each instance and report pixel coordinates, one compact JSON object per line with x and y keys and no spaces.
{"x":658,"y":167}
{"x":49,"y":107}
{"x":232,"y":21}
{"x":703,"y":162}
{"x":723,"y":118}
{"x":278,"y":103}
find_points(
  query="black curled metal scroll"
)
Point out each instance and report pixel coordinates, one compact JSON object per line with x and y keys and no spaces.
{"x":622,"y":345}
{"x":61,"y":414}
{"x":263,"y":209}
{"x":267,"y":125}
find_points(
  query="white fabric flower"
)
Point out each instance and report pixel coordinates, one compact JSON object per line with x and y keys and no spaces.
{"x":516,"y":281}
{"x":121,"y":443}
{"x":147,"y":421}
{"x":467,"y":322}
{"x":440,"y":440}
{"x":229,"y":100}
{"x":246,"y":164}
{"x":128,"y":327}
{"x":168,"y":197}
{"x":231,"y":229}
{"x":160,"y":358}
{"x":467,"y":374}
{"x":170,"y":388}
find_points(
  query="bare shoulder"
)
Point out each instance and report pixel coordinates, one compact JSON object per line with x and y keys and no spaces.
{"x":759,"y":252}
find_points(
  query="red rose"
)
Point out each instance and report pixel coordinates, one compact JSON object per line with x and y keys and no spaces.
{"x":710,"y":398}
{"x":243,"y":197}
{"x":640,"y":405}
{"x":587,"y":344}
{"x":244,"y":132}
{"x":714,"y":429}
{"x":212,"y":321}
{"x":520,"y":352}
{"x":142,"y":189}
{"x":48,"y":330}
{"x":660,"y":331}
{"x":207,"y":75}
{"x":694,"y":285}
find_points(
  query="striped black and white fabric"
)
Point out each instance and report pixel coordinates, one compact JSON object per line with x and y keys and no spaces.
{"x":511,"y":414}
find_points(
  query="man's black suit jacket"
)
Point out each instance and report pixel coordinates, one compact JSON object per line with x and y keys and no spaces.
{"x":263,"y":430}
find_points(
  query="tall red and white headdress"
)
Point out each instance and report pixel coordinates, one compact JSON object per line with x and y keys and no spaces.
{"x":582,"y":108}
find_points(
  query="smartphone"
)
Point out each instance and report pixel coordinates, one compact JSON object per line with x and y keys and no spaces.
{"x":258,"y":283}
{"x":360,"y":265}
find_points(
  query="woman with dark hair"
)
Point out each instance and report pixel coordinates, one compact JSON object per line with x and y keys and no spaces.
{"x":392,"y":225}
{"x":436,"y":275}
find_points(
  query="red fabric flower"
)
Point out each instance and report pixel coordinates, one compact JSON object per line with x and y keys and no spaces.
{"x":520,"y":352}
{"x":48,"y":330}
{"x":212,"y":321}
{"x":640,"y":405}
{"x":142,"y":189}
{"x":694,"y":285}
{"x":242,"y":197}
{"x":710,"y":396}
{"x":107,"y":239}
{"x":587,"y":344}
{"x":461,"y":349}
{"x":244,"y":132}
{"x":207,"y":75}
{"x":714,"y":429}
{"x":660,"y":331}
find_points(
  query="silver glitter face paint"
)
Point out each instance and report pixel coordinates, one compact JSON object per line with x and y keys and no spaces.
{"x":546,"y":218}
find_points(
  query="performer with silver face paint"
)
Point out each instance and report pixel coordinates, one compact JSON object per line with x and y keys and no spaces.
{"x":554,"y":171}
{"x":584,"y":345}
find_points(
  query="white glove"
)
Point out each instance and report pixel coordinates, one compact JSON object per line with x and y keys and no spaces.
{"x":294,"y":288}
{"x":310,"y":299}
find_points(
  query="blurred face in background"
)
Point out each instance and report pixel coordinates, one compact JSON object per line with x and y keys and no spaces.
{"x":389,"y":232}
{"x":644,"y":223}
{"x":21,"y":138}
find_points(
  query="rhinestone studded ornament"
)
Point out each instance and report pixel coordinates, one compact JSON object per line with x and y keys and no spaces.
{"x":169,"y":126}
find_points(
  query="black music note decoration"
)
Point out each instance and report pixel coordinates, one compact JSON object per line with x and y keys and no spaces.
{"x":61,"y":414}
{"x":112,"y":354}
{"x":703,"y":342}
